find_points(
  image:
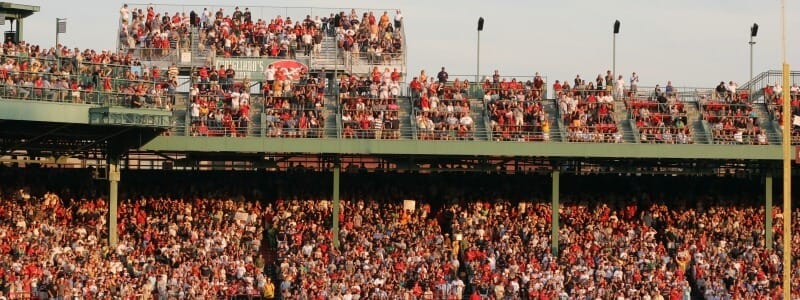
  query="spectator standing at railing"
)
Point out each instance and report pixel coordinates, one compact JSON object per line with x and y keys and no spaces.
{"x":609,"y":81}
{"x":619,"y":88}
{"x":442,"y":76}
{"x":634,"y":83}
{"x":124,"y":14}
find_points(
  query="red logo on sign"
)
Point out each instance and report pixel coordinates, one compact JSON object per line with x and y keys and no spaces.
{"x":292,"y":68}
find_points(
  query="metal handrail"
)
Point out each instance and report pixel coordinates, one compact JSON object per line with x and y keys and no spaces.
{"x":94,"y":97}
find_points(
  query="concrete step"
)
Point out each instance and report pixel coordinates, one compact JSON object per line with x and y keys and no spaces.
{"x":628,"y":134}
{"x":699,"y":134}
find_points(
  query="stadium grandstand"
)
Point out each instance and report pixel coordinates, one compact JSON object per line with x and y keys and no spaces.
{"x":235,"y":152}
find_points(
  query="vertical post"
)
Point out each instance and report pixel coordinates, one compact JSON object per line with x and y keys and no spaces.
{"x":113,"y":180}
{"x":478,"y":65}
{"x":787,"y":184}
{"x":614,"y":56}
{"x":768,"y":213}
{"x":20,"y":28}
{"x":555,"y":214}
{"x":787,"y":167}
{"x":478,"y":60}
{"x":57,"y":31}
{"x":750,"y":86}
{"x":335,"y":215}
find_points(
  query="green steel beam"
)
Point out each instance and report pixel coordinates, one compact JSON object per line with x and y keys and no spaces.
{"x":768,"y":212}
{"x":36,"y":111}
{"x":113,"y":182}
{"x":555,"y":215}
{"x":335,"y":211}
{"x":478,"y":148}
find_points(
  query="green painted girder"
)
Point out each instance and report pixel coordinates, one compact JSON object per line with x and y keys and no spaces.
{"x":477,"y":148}
{"x":38,"y":111}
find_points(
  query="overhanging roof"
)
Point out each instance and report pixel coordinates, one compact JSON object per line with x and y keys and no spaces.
{"x":15,"y":11}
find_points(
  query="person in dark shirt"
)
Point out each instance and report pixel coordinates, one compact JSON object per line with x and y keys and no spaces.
{"x":442,"y":76}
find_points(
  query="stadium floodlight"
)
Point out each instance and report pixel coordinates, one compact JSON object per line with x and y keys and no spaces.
{"x":614,"y":49}
{"x":478,"y":63}
{"x":753,"y":33}
{"x":61,"y":27}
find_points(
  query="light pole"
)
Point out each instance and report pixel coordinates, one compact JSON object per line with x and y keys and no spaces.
{"x":753,"y":33}
{"x":61,"y":27}
{"x":614,"y":49}
{"x":478,"y":68}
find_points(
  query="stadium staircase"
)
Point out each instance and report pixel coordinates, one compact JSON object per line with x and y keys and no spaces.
{"x":404,"y":115}
{"x":766,"y":122}
{"x":199,"y":57}
{"x":697,"y":125}
{"x":625,"y":125}
{"x":327,"y":57}
{"x":330,"y":112}
{"x":477,"y":111}
{"x":557,"y":131}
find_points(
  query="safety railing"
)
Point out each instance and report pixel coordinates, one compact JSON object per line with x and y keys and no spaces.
{"x":598,"y":133}
{"x":169,"y":55}
{"x":664,"y":135}
{"x":445,"y":128}
{"x":775,"y":112}
{"x":93,"y":97}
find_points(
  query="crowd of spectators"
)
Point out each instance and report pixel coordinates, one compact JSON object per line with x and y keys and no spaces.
{"x":154,"y":35}
{"x":219,"y":105}
{"x":515,"y":109}
{"x":240,"y":34}
{"x":441,"y":107}
{"x":461,"y":239}
{"x":374,"y":39}
{"x":589,"y":116}
{"x":775,"y":104}
{"x":369,"y":105}
{"x":661,"y":119}
{"x":732,"y":116}
{"x":84,"y":76}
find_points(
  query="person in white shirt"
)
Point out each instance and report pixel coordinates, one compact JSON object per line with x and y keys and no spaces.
{"x":205,"y":18}
{"x":124,"y":13}
{"x":634,"y":83}
{"x":732,"y":90}
{"x":398,"y":19}
{"x":466,"y":120}
{"x":235,"y":95}
{"x":269,"y":74}
{"x":619,"y":88}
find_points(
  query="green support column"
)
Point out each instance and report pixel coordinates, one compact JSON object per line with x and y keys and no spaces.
{"x":20,"y":29}
{"x":113,"y":180}
{"x":555,"y":215}
{"x":768,"y":213}
{"x":335,"y":215}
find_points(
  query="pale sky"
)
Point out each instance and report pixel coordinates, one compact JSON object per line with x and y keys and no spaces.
{"x":695,"y":43}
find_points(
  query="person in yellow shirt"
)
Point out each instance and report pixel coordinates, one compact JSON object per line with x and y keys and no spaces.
{"x":269,"y":289}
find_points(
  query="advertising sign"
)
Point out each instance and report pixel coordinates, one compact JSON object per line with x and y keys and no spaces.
{"x":253,"y":67}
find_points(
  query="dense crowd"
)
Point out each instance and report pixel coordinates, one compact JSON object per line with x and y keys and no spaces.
{"x":84,"y":76}
{"x":457,"y":240}
{"x":239,"y":33}
{"x":515,"y":109}
{"x":774,"y":99}
{"x":369,"y":105}
{"x":661,"y":120}
{"x":441,"y":107}
{"x":732,"y":116}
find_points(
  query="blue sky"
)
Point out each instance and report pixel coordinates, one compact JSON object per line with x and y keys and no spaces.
{"x":692,"y":43}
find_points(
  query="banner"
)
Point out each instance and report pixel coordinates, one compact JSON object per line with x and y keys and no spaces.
{"x":253,"y":67}
{"x":410,"y":205}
